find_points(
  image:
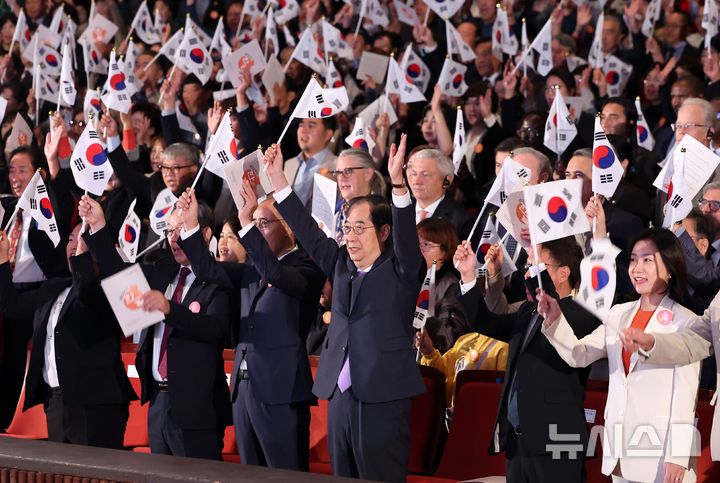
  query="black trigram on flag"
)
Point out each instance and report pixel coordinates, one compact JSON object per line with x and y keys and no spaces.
{"x":79,"y":164}
{"x":92,"y":134}
{"x":319,"y":98}
{"x":419,"y":315}
{"x":573,"y":217}
{"x":52,"y":227}
{"x":122,"y":97}
{"x":676,"y":200}
{"x":599,"y":302}
{"x":606,"y":178}
{"x":41,"y":188}
{"x":115,"y":67}
{"x":312,"y":114}
{"x":224,"y":159}
{"x":544,"y":227}
{"x":33,"y":204}
{"x":486,"y":234}
{"x":600,"y":136}
{"x":192,"y":41}
{"x":98,"y":175}
{"x":562,"y":137}
{"x":567,"y":194}
{"x":538,"y":200}
{"x":522,"y":173}
{"x":160,"y":225}
{"x":503,"y":197}
{"x":68,"y":90}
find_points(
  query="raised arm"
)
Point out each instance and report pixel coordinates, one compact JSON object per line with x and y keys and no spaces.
{"x":99,"y":239}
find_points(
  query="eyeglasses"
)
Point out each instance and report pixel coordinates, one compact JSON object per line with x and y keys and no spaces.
{"x":346,"y":172}
{"x":425,"y":246}
{"x":262,"y":223}
{"x":77,"y":123}
{"x":357,"y":229}
{"x":551,"y":87}
{"x":528,"y":131}
{"x":173,"y":233}
{"x":685,"y":127}
{"x":714,"y":205}
{"x":174,"y":169}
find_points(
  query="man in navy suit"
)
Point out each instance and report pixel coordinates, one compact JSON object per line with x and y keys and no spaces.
{"x":179,"y":360}
{"x":367,"y":368}
{"x":278,"y":288}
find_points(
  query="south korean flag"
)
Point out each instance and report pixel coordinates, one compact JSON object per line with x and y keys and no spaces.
{"x":606,"y":170}
{"x":488,"y":239}
{"x":425,"y":306}
{"x":555,"y":210}
{"x":161,"y":211}
{"x":89,"y":163}
{"x":223,"y":148}
{"x":129,"y":235}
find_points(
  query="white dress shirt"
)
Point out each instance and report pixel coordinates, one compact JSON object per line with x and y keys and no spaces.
{"x":430,"y":209}
{"x":50,"y":371}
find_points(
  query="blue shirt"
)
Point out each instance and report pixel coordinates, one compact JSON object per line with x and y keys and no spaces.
{"x":303,"y":183}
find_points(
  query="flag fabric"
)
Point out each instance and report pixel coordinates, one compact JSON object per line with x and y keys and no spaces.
{"x":67,"y":84}
{"x":425,"y":306}
{"x":645,"y":138}
{"x":144,"y":26}
{"x":598,"y":277}
{"x":129,"y":236}
{"x":191,"y":25}
{"x":92,"y":104}
{"x":252,"y":8}
{"x":223,"y":148}
{"x":22,"y":33}
{"x":45,"y":87}
{"x":398,"y":83}
{"x":456,"y":44}
{"x":710,"y":21}
{"x":543,"y":46}
{"x":131,"y":54}
{"x":183,"y":117}
{"x":170,"y":48}
{"x":219,"y":42}
{"x":93,"y":59}
{"x":332,"y":76}
{"x":488,"y":238}
{"x":596,"y":58}
{"x":406,"y":14}
{"x":43,"y":37}
{"x":100,"y":29}
{"x":652,"y":15}
{"x":375,"y":13}
{"x":560,"y":128}
{"x":289,"y":39}
{"x":555,"y":210}
{"x":57,"y":24}
{"x":116,"y":95}
{"x":89,"y":163}
{"x":607,"y":170}
{"x":193,"y":57}
{"x":511,"y":176}
{"x":504,"y":40}
{"x":287,"y":12}
{"x":161,"y":211}
{"x":334,"y":42}
{"x":68,"y":35}
{"x":527,"y":61}
{"x":452,"y":78}
{"x":445,"y":8}
{"x":159,"y":25}
{"x":679,"y":199}
{"x":359,"y":137}
{"x":415,"y":69}
{"x":459,"y":140}
{"x":317,"y":102}
{"x":20,"y":135}
{"x":35,"y":201}
{"x":307,"y":52}
{"x":49,"y":60}
{"x":271,"y":33}
{"x":573,"y":62}
{"x":617,"y":74}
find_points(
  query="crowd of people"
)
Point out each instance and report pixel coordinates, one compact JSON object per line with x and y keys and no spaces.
{"x":415,"y":191}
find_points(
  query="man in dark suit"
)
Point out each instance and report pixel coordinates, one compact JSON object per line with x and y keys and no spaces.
{"x":33,"y":258}
{"x":278,"y":288}
{"x":367,"y":368}
{"x":75,"y":367}
{"x":179,"y":360}
{"x":540,"y":390}
{"x":430,"y":173}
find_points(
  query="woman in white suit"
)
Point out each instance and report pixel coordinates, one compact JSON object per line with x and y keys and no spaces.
{"x":650,"y":409}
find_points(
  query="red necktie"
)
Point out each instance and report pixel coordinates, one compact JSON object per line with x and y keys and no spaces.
{"x":423,"y":214}
{"x":176,"y":297}
{"x":14,"y":238}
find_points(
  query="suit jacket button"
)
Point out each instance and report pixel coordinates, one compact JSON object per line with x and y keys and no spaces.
{"x":344,"y":348}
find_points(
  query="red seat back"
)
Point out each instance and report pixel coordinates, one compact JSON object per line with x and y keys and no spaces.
{"x":318,"y":424}
{"x":136,"y":431}
{"x":426,"y":422}
{"x":595,"y":399}
{"x":707,"y":469}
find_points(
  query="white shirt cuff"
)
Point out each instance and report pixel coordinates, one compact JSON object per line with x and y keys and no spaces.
{"x":282,"y":195}
{"x":490,"y":120}
{"x":167,"y":112}
{"x":466,"y":287}
{"x":184,"y":235}
{"x":648,"y":353}
{"x":113,"y":143}
{"x":245,"y":229}
{"x":239,"y":109}
{"x":401,"y":201}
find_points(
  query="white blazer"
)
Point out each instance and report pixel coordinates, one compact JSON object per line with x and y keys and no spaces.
{"x":650,"y":413}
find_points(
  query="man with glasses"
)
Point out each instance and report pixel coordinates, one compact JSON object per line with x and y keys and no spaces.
{"x":278,"y":293}
{"x":179,"y":359}
{"x":367,"y":367}
{"x":429,"y":173}
{"x":684,"y":88}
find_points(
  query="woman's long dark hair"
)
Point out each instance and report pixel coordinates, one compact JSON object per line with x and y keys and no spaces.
{"x":672,"y":256}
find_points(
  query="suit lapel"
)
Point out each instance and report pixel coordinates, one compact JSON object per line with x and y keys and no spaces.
{"x":192,"y":292}
{"x":356,"y":283}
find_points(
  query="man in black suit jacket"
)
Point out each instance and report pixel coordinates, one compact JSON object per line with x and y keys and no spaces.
{"x":179,"y":360}
{"x":75,"y":370}
{"x":429,"y":174}
{"x":279,"y":288}
{"x":36,"y":259}
{"x":367,"y":368}
{"x":540,"y":389}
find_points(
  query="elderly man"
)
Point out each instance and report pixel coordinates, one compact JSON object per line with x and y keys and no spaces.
{"x":429,"y":174}
{"x":684,"y":88}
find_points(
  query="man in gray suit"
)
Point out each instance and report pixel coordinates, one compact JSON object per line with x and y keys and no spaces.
{"x":313,"y":136}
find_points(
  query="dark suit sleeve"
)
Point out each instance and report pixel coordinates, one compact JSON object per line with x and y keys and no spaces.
{"x":322,"y":249}
{"x":497,"y":326}
{"x":226,"y":275}
{"x":294,"y":279}
{"x":134,"y":180}
{"x":83,"y":274}
{"x":702,"y":275}
{"x":209,"y":326}
{"x":12,"y":303}
{"x":405,"y":243}
{"x":103,"y":251}
{"x":171,"y":129}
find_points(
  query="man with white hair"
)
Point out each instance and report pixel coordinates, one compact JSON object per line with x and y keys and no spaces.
{"x":429,"y":173}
